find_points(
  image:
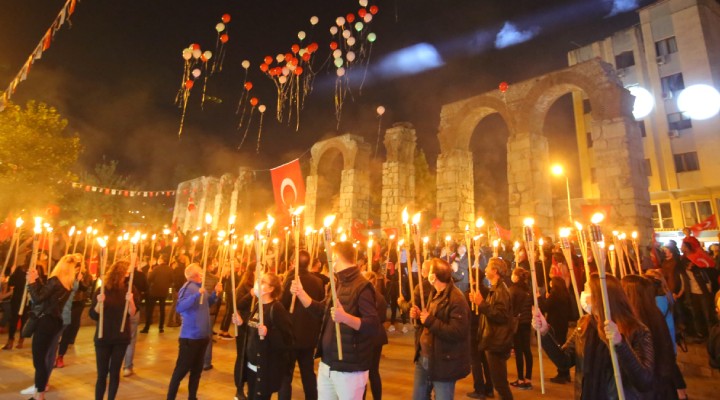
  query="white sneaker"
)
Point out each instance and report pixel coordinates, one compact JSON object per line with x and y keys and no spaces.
{"x":127,"y":372}
{"x":31,"y":390}
{"x":391,"y":329}
{"x":404,"y":329}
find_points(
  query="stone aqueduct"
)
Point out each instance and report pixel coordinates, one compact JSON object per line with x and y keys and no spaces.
{"x":617,"y":145}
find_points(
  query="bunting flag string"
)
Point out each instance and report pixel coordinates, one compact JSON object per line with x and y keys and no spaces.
{"x":64,"y":16}
{"x":123,"y":192}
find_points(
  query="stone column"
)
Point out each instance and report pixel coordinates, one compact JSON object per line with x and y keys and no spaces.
{"x":311,"y":202}
{"x":455,"y":191}
{"x":354,"y":197}
{"x":530,"y":194}
{"x":398,"y":174}
{"x":620,"y":175}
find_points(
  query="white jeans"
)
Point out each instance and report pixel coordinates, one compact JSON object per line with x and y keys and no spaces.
{"x":334,"y":385}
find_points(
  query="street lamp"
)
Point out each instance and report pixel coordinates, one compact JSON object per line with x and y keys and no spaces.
{"x":558,"y":170}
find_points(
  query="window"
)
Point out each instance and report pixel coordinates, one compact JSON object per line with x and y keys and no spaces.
{"x":593,"y":175}
{"x":648,"y":167}
{"x":678,"y":121}
{"x":641,"y":127}
{"x":624,"y":60}
{"x":696,"y":211}
{"x":672,"y":85}
{"x":588,"y":135}
{"x":685,"y":162}
{"x":666,"y":46}
{"x":587,"y":108}
{"x":662,"y":216}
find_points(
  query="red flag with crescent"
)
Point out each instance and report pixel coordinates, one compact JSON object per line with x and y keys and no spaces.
{"x":356,"y":231}
{"x":704,"y":225}
{"x":288,"y":186}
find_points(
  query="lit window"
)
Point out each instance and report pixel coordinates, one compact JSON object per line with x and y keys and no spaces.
{"x":672,"y":85}
{"x":696,"y":211}
{"x":678,"y":121}
{"x":662,"y":216}
{"x":666,"y":46}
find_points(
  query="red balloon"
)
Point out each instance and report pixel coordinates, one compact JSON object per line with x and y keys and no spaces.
{"x":189,"y":84}
{"x":224,"y":38}
{"x":295,"y":48}
{"x":362,"y":12}
{"x":306,"y":56}
{"x":254,"y":101}
{"x":298,"y":71}
{"x":263,"y":67}
{"x":268,"y":60}
{"x":503,"y":87}
{"x":350,"y":18}
{"x":195,"y":46}
{"x":248,"y":86}
{"x":288,"y":56}
{"x":226,"y":18}
{"x":203,"y":58}
{"x":313,"y":47}
{"x":333,"y":46}
{"x":374,"y":10}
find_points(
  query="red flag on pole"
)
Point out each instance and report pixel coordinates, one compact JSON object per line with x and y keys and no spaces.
{"x":392,"y":232}
{"x":288,"y":186}
{"x":435,"y":224}
{"x":356,"y":231}
{"x":704,"y":225}
{"x":504,"y":234}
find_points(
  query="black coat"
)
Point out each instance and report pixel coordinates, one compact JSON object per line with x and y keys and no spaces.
{"x":522,"y":302}
{"x":449,"y":326}
{"x":305,"y":325}
{"x":495,"y":328}
{"x":160,"y":280}
{"x":48,"y":299}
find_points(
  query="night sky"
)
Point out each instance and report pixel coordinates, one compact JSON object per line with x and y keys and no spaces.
{"x":115,"y":72}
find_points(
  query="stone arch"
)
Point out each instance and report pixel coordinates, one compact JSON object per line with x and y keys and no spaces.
{"x":618,"y":149}
{"x":354,"y":200}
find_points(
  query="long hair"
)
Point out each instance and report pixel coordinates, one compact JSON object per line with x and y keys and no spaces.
{"x":621,"y":311}
{"x":275,"y":283}
{"x":115,"y":275}
{"x":248,"y":277}
{"x":558,"y":289}
{"x":65,"y":270}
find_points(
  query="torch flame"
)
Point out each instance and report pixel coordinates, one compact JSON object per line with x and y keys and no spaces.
{"x":634,"y":235}
{"x":416,"y":218}
{"x":166,"y":231}
{"x":529,"y":221}
{"x":612,"y":247}
{"x":401,"y":242}
{"x":101,"y":242}
{"x":154,"y":236}
{"x":299,"y":210}
{"x":208,"y":218}
{"x":343,"y":238}
{"x":370,"y":243}
{"x":426,"y":239}
{"x":597,"y":218}
{"x":231,"y":220}
{"x":126,"y":236}
{"x":405,"y":215}
{"x":564,"y":232}
{"x":260,"y":226}
{"x":329,"y":220}
{"x":195,"y":238}
{"x":495,"y":243}
{"x":578,"y":226}
{"x":38,"y":225}
{"x":516,"y":246}
{"x":479,"y":223}
{"x":88,"y":230}
{"x":19,"y":222}
{"x":270,"y":221}
{"x":448,"y":238}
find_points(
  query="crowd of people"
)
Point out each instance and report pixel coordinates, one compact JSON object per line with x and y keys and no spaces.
{"x":470,"y":311}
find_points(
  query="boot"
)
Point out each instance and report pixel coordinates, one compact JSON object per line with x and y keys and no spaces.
{"x":9,"y":344}
{"x":20,"y":343}
{"x":59,"y":362}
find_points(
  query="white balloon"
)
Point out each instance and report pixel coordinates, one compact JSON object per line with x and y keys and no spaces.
{"x":350,"y":56}
{"x":302,"y":52}
{"x":220,"y":27}
{"x":337,"y":53}
{"x":351,"y":41}
{"x":262,"y":108}
{"x":291,"y":67}
{"x":314,"y":20}
{"x":282,"y":80}
{"x":340,"y":21}
{"x":699,"y":101}
{"x":280,"y":58}
{"x":186,"y":54}
{"x":207,"y":54}
{"x":196,"y":72}
{"x":346,"y":33}
{"x":333,"y":30}
{"x":196,"y":53}
{"x":340,"y":71}
{"x":246,"y":64}
{"x":367,"y":18}
{"x":285,"y":71}
{"x":301,"y":35}
{"x":363,"y":3}
{"x":380,"y":110}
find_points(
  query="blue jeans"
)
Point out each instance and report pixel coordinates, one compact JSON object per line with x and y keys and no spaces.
{"x":423,"y":386}
{"x":130,"y":353}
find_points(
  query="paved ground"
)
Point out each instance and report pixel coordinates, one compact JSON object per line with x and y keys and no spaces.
{"x":155,"y":359}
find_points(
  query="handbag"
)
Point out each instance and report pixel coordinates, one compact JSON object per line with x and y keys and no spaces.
{"x":30,"y":326}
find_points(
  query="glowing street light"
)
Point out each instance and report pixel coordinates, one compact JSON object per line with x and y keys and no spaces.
{"x":699,"y":102}
{"x":644,"y":102}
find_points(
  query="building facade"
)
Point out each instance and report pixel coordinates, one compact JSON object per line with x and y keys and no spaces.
{"x":675,"y":45}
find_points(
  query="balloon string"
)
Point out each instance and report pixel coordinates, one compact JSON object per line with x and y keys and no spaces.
{"x":202,"y":101}
{"x":242,"y":117}
{"x":242,"y":98}
{"x":367,"y":65}
{"x":246,"y":129}
{"x":297,"y":102}
{"x":182,"y":118}
{"x":257,"y":149}
{"x":377,"y":141}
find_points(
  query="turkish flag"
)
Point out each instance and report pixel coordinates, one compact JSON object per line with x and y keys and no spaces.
{"x":504,"y":234}
{"x":288,"y":186}
{"x":392,"y":232}
{"x":435,"y":224}
{"x":706,"y":224}
{"x":589,"y":210}
{"x":356,"y":231}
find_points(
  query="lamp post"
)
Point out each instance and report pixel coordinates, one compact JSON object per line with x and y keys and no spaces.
{"x":558,"y":170}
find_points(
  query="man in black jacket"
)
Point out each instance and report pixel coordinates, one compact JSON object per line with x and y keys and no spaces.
{"x":442,"y":348}
{"x":159,"y":281}
{"x":344,"y":377}
{"x":495,"y":327}
{"x":305,"y":327}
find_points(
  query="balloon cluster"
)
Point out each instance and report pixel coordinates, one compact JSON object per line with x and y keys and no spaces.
{"x":195,"y":63}
{"x":222,"y":38}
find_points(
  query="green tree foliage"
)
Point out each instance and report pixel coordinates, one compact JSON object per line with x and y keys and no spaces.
{"x":36,"y":157}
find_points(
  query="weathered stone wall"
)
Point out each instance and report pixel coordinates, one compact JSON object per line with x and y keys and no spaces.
{"x":455,"y":193}
{"x":398,"y":174}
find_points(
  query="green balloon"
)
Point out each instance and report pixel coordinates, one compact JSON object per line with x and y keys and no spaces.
{"x":359,"y":26}
{"x":371,"y":37}
{"x":338,"y":62}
